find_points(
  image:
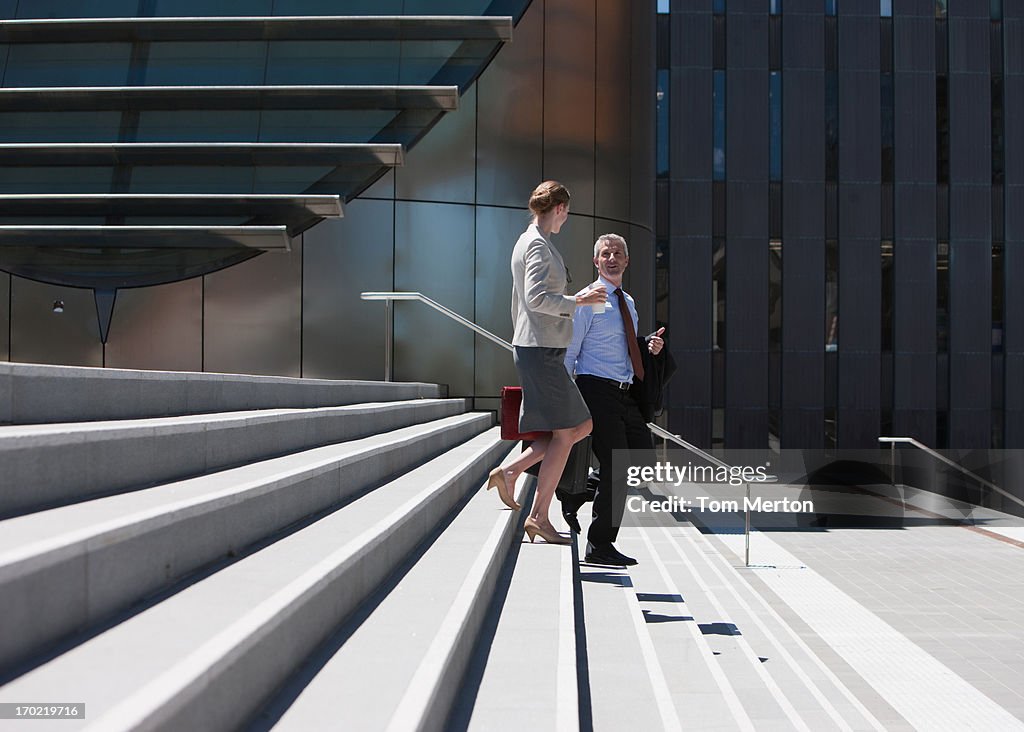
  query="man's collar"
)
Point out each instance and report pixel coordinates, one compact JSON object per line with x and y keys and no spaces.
{"x":608,"y":285}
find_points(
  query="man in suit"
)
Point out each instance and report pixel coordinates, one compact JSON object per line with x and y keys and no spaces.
{"x":605,"y":357}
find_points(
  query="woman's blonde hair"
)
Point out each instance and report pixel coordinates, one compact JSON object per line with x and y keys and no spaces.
{"x":546,"y":196}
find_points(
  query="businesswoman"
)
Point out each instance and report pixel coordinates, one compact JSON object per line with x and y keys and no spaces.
{"x":542,"y":314}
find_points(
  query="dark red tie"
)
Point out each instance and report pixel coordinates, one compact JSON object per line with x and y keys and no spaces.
{"x":627,"y":324}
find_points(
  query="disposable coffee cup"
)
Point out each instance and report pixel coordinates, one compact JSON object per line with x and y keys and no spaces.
{"x":597,"y":307}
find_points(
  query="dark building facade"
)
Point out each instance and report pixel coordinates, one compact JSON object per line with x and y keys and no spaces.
{"x":840,"y":222}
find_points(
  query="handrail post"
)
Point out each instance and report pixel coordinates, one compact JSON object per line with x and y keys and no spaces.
{"x":389,"y":341}
{"x":892,"y":463}
{"x":746,"y":529}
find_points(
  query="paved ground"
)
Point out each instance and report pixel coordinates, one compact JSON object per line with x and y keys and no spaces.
{"x":924,"y":601}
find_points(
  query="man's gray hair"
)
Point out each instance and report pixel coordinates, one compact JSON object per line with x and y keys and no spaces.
{"x":610,"y":238}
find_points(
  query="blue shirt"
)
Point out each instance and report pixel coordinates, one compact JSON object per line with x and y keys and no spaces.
{"x":598,"y":345}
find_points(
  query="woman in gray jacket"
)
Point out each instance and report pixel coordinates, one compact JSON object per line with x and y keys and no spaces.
{"x":542,"y":314}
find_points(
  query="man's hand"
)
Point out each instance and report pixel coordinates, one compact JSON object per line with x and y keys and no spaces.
{"x":655,"y":342}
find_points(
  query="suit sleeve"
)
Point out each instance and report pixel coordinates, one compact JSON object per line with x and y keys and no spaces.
{"x":538,"y":265}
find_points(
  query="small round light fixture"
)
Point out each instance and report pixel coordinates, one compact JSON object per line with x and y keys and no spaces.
{"x":58,"y":306}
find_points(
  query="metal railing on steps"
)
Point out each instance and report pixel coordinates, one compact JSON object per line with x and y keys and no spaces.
{"x":893,"y":441}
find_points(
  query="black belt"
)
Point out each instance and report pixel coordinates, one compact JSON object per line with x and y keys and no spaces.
{"x":621,"y":385}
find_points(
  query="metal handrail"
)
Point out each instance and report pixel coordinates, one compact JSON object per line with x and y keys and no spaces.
{"x":892,"y":441}
{"x":666,"y":435}
{"x":388,"y":297}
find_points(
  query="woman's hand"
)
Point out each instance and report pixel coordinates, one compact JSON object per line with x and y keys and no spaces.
{"x":592,"y":295}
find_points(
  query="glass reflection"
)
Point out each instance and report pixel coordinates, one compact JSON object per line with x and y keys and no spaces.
{"x":831,"y":295}
{"x":718,"y":104}
{"x":718,"y":293}
{"x":663,"y":122}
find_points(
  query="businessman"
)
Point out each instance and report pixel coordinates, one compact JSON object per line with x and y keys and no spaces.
{"x":605,"y":357}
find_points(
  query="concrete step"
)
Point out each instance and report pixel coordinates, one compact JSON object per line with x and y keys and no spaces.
{"x":782,"y":683}
{"x":36,"y":394}
{"x":65,"y":569}
{"x":702,"y":692}
{"x":763,"y":702}
{"x":210,"y":656}
{"x":54,"y":464}
{"x":399,"y":664}
{"x":524,"y":670}
{"x":628,"y":682}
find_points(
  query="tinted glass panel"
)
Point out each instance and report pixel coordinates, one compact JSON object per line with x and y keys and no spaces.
{"x":663,"y":121}
{"x":775,"y":131}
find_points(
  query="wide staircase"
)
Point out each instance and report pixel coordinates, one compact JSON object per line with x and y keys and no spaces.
{"x":190,"y":551}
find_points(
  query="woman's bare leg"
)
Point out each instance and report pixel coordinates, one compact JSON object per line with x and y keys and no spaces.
{"x":551,"y":469}
{"x":554,"y":450}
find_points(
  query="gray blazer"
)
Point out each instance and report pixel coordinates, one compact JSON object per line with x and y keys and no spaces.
{"x":541,"y":312}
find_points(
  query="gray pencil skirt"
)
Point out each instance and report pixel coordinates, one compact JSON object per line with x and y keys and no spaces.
{"x":551,"y":400}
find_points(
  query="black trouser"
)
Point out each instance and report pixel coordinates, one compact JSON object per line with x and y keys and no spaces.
{"x":618,"y":425}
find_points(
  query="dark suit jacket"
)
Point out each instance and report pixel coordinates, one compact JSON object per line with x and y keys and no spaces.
{"x":657,"y":371}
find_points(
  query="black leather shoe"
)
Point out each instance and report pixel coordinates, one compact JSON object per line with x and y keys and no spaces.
{"x":571,"y":520}
{"x":607,"y":554}
{"x":571,"y":504}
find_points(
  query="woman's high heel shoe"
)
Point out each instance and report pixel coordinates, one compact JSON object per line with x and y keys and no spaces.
{"x":497,"y":479}
{"x":551,"y":536}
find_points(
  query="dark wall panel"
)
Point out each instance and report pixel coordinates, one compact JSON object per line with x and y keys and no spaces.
{"x":496,"y":233}
{"x":612,"y":143}
{"x":342,"y":333}
{"x":252,"y":316}
{"x":442,"y":166}
{"x":914,"y":262}
{"x":859,"y":362}
{"x":641,"y":271}
{"x":690,"y":303}
{"x":39,"y":335}
{"x":642,"y":85}
{"x":432,"y":257}
{"x":509,"y":130}
{"x":569,"y":97}
{"x":746,"y":317}
{"x":970,"y":268}
{"x":5,"y":316}
{"x":158,"y":328}
{"x":803,"y":227}
{"x":1013,"y":44}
